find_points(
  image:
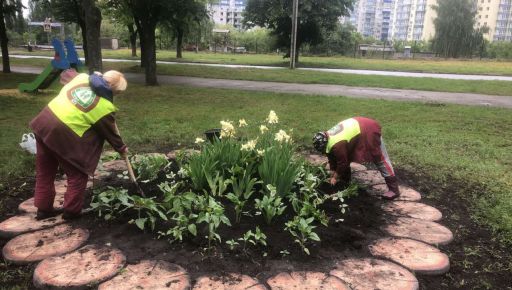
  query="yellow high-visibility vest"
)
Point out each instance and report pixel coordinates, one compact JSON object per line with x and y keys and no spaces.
{"x":344,"y":131}
{"x":78,"y":106}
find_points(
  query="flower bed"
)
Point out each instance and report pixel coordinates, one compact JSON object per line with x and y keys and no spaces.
{"x":251,"y":175}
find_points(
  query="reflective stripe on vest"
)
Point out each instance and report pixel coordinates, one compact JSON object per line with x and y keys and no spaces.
{"x":78,"y":107}
{"x":344,"y":131}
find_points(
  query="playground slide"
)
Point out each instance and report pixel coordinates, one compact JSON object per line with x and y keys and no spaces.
{"x":53,"y":70}
{"x":42,"y":81}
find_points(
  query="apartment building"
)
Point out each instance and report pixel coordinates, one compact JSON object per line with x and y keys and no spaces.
{"x":372,"y":18}
{"x":394,"y":19}
{"x":413,"y":20}
{"x":228,"y":12}
{"x":497,"y":16}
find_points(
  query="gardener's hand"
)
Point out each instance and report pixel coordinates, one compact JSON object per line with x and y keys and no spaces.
{"x":333,"y":180}
{"x":124,"y":153}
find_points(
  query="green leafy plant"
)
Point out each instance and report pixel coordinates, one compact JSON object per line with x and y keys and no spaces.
{"x":147,"y":212}
{"x":111,"y":202}
{"x":211,"y":213}
{"x":149,"y":166}
{"x":302,"y":230}
{"x":271,"y":205}
{"x":242,"y":184}
{"x":279,"y":168}
{"x":253,"y":238}
{"x":180,"y":210}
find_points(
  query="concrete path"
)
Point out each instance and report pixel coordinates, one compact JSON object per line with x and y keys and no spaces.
{"x":319,"y":89}
{"x":343,"y":71}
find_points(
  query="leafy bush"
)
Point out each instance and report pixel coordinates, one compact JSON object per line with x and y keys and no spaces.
{"x":149,"y":166}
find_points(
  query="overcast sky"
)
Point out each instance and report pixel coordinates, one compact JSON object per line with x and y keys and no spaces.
{"x":25,"y":11}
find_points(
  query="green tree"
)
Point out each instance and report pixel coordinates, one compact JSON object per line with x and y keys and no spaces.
{"x":314,"y":17}
{"x":455,"y":33}
{"x":182,"y":14}
{"x":119,"y":12}
{"x":8,"y":10}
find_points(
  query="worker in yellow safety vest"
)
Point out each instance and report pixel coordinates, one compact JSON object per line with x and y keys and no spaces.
{"x":70,"y":133}
{"x":358,"y":140}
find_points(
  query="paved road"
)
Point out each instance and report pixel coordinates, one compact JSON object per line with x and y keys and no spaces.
{"x":317,"y":89}
{"x":343,"y":71}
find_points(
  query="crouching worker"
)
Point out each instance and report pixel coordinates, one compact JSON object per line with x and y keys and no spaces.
{"x":70,"y":133}
{"x":356,"y":140}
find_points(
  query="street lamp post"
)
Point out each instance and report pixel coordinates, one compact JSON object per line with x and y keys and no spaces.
{"x":293,"y":48}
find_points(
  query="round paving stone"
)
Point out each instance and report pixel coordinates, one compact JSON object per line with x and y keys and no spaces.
{"x":412,"y":209}
{"x":231,"y":281}
{"x":114,"y":165}
{"x":425,"y":231}
{"x":82,"y":268}
{"x":356,"y":167}
{"x":42,"y":244}
{"x":416,"y":256}
{"x":368,"y":177}
{"x":406,"y":193}
{"x":21,"y":224}
{"x":306,"y":281}
{"x":149,"y":274}
{"x":364,"y":274}
{"x":28,"y":205}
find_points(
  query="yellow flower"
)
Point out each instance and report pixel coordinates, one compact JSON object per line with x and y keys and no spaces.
{"x":199,"y":140}
{"x":272,"y":118}
{"x":249,"y":145}
{"x":228,"y":130}
{"x":282,"y":136}
{"x":242,"y":123}
{"x":263,"y":129}
{"x":260,"y":152}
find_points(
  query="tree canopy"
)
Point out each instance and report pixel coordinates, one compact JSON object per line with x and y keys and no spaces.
{"x":314,"y":17}
{"x":455,"y":33}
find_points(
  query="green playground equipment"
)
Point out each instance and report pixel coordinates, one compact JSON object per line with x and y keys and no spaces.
{"x":52,"y":72}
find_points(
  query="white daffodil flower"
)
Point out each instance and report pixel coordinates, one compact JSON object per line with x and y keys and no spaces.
{"x":272,"y":118}
{"x":242,"y":123}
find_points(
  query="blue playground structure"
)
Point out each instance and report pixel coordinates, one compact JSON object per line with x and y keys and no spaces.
{"x":60,"y":62}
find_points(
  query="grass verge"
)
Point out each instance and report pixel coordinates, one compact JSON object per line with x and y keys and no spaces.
{"x":500,"y":88}
{"x":462,"y":144}
{"x":473,"y":66}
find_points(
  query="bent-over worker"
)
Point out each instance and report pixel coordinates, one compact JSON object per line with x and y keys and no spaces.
{"x":70,"y":132}
{"x":358,"y":140}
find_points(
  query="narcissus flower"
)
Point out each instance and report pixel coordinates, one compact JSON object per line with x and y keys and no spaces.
{"x":272,"y":118}
{"x":199,"y":140}
{"x":228,"y":130}
{"x":263,"y":129}
{"x":249,"y":145}
{"x":260,"y":152}
{"x":242,"y":123}
{"x":282,"y":136}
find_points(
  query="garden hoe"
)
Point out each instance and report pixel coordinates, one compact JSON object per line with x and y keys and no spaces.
{"x":130,"y":170}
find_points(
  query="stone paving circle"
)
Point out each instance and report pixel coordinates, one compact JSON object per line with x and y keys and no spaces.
{"x":36,"y":246}
{"x":82,"y":268}
{"x":368,"y":177}
{"x":231,"y":281}
{"x":416,"y":256}
{"x":21,"y":224}
{"x":149,"y":274}
{"x":28,"y":205}
{"x":364,"y":274}
{"x":114,"y":165}
{"x":412,"y":209}
{"x":306,"y":281}
{"x":421,"y":230}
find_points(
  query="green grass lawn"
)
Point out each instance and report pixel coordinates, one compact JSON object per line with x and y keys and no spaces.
{"x":501,"y":88}
{"x":464,"y":145}
{"x":488,"y":67}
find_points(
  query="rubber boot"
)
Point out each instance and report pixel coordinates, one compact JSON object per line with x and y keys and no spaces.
{"x":394,"y":190}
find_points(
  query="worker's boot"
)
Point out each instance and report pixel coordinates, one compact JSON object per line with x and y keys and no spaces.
{"x":394,"y":191}
{"x":41,"y":214}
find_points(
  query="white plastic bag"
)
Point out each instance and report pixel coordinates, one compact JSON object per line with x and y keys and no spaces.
{"x":28,"y":142}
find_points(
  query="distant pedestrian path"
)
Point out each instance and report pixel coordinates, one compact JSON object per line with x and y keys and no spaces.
{"x":331,"y":70}
{"x":319,"y":89}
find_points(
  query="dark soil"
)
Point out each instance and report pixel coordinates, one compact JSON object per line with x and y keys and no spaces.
{"x":478,"y":260}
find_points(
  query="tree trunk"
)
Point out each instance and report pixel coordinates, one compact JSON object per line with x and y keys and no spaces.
{"x":179,"y":42}
{"x":93,"y":24}
{"x":83,"y":28}
{"x":149,"y":54}
{"x":133,"y":39}
{"x":3,"y":41}
{"x":141,"y":36}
